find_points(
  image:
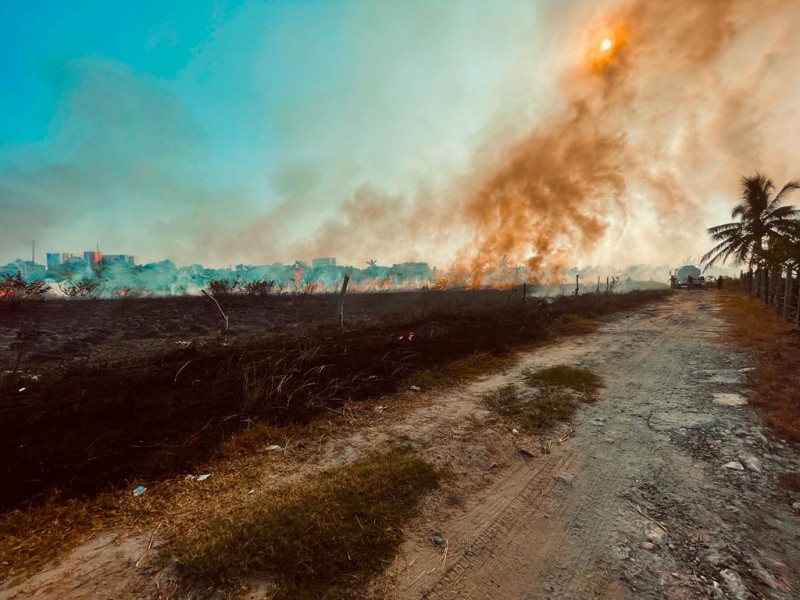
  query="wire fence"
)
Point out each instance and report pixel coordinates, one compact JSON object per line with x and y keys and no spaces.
{"x":778,"y":287}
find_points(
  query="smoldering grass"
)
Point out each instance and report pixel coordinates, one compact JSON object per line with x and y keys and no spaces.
{"x":324,"y":538}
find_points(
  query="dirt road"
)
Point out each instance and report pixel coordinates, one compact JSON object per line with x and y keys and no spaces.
{"x":668,"y":489}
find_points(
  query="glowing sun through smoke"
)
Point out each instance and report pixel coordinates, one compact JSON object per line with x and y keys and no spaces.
{"x":606,"y":44}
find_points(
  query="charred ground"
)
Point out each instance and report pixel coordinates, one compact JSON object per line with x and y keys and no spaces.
{"x":142,"y":389}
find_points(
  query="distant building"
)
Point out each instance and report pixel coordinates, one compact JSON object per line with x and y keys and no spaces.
{"x":53,"y":260}
{"x":323,"y":262}
{"x":116,"y":259}
{"x":56,"y":259}
{"x":90,"y":257}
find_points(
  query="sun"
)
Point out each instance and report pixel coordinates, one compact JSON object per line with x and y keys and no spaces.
{"x":606,"y":44}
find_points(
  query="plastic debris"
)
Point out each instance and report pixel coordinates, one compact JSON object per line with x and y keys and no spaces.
{"x":515,"y":431}
{"x":22,"y":389}
{"x":414,"y":388}
{"x":202,"y":477}
{"x":275,"y":448}
{"x":139,"y":490}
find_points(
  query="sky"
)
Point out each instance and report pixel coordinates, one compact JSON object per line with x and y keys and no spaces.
{"x":455,"y":132}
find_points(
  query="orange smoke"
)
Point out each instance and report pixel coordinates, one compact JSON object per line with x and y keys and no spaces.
{"x":661,"y":105}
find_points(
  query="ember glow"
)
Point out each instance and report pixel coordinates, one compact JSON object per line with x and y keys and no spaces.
{"x":477,"y":137}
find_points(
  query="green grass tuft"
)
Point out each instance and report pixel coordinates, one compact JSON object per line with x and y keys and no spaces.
{"x":324,"y":539}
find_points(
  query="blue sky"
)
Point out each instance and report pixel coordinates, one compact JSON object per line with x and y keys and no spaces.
{"x":149,"y":127}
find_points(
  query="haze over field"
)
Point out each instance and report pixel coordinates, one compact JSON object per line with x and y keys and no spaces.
{"x":580,"y":132}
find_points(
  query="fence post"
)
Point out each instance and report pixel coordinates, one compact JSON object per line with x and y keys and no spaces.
{"x":797,"y":311}
{"x":777,"y":279}
{"x":757,"y":283}
{"x":340,"y":303}
{"x":787,"y":294}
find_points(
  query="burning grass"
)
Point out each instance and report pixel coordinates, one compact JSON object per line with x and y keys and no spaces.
{"x":775,"y":345}
{"x":323,"y":539}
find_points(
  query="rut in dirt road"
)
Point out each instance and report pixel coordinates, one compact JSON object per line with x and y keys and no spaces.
{"x":668,"y":489}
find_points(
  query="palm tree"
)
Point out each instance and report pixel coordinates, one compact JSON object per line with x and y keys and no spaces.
{"x":764,"y":226}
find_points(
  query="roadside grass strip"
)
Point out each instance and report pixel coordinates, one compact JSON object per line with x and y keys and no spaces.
{"x":323,"y":539}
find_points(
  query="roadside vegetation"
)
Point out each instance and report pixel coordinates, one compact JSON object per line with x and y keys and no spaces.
{"x":775,"y":346}
{"x":322,"y":539}
{"x":764,"y":235}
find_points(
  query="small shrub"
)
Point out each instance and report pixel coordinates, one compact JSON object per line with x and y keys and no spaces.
{"x":257,"y":287}
{"x":14,"y":288}
{"x":80,"y":289}
{"x":223,"y":287}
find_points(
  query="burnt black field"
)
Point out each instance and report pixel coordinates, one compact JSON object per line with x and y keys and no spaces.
{"x":98,"y":393}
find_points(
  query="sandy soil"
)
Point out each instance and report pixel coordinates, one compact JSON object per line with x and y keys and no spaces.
{"x":634,"y":500}
{"x":640,"y":502}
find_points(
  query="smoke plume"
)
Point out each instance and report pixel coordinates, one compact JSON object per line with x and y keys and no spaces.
{"x":652,"y":136}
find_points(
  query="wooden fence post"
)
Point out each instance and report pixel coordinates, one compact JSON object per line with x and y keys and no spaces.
{"x":797,"y":311}
{"x":524,"y":293}
{"x":787,"y":294}
{"x":577,"y":285}
{"x":757,"y":284}
{"x":777,"y":279}
{"x":340,"y":304}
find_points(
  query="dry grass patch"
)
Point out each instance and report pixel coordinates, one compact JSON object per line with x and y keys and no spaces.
{"x":322,"y":539}
{"x":536,"y":413}
{"x":572,"y":324}
{"x":557,"y":395}
{"x":775,"y":345}
{"x":562,"y":376}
